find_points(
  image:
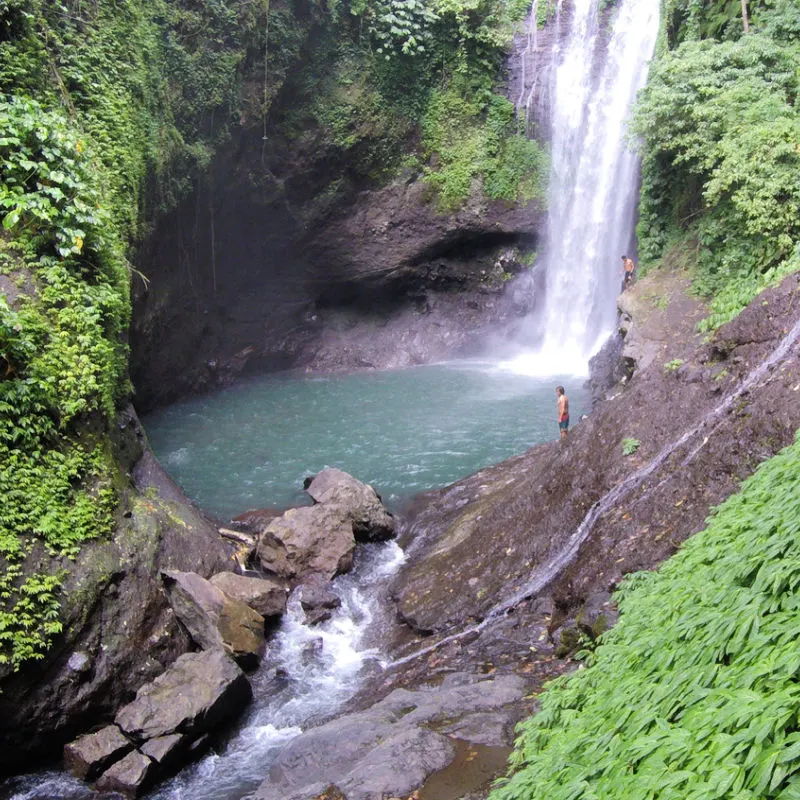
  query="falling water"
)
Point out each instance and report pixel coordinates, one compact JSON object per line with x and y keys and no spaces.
{"x":593,"y":180}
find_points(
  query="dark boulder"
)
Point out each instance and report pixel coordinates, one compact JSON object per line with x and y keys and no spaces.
{"x":266,"y":596}
{"x":320,"y":539}
{"x":215,"y":620}
{"x":198,"y":692}
{"x":354,"y":501}
{"x":129,"y":777}
{"x":318,"y":600}
{"x":307,"y":541}
{"x":90,"y":755}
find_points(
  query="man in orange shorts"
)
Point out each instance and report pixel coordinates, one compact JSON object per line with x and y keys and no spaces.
{"x":563,"y":412}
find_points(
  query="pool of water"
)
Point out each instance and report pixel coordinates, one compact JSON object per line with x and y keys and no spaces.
{"x":402,"y":431}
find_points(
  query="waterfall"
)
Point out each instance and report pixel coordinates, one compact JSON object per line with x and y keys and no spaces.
{"x":601,"y":61}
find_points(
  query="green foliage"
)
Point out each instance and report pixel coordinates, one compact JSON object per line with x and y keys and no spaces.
{"x":546,"y":9}
{"x":694,"y":693}
{"x":630,"y":446}
{"x":152,"y":90}
{"x":671,"y":366}
{"x":351,"y":110}
{"x":722,"y":152}
{"x":63,"y":359}
{"x":438,"y":61}
{"x":108,"y":111}
{"x":402,"y":26}
{"x":475,"y":142}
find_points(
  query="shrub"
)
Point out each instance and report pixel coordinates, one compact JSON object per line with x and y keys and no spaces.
{"x":630,"y":446}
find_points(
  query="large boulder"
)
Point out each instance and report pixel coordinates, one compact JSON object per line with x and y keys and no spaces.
{"x":320,"y":540}
{"x":197,"y":693}
{"x":317,"y":600}
{"x":128,"y":777}
{"x":266,"y":596}
{"x":88,"y":756}
{"x":307,"y":541}
{"x":215,"y":620}
{"x":354,"y":501}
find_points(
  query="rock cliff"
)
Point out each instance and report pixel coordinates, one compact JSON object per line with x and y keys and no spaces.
{"x":564,"y":523}
{"x":119,"y":629}
{"x":284,"y":261}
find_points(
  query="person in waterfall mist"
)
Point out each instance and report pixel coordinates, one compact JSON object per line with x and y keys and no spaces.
{"x":563,"y":412}
{"x":628,"y":267}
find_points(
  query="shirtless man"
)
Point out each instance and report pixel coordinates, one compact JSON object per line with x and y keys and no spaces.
{"x":629,"y":268}
{"x":563,"y":412}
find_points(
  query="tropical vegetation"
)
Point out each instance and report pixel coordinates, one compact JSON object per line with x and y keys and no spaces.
{"x":110,"y":111}
{"x":721,"y":143}
{"x":694,"y":694}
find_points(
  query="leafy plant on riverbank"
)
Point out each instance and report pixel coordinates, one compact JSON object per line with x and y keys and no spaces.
{"x":721,"y":133}
{"x":630,"y":446}
{"x":693,"y":693}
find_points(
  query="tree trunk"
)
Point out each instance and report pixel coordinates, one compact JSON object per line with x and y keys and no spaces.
{"x":745,"y":19}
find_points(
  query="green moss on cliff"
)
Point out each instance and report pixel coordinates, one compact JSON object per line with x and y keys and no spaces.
{"x":107,"y":110}
{"x":385,"y":79}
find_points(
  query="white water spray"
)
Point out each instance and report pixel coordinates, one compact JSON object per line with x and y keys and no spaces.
{"x":593,"y":183}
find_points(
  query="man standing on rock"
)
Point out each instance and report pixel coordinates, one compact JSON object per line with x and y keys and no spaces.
{"x":628,"y":266}
{"x":563,"y":412}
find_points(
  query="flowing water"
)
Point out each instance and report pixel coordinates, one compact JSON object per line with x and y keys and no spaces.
{"x":592,"y":193}
{"x":319,"y":669}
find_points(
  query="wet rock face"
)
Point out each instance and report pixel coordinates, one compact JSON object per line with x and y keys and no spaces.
{"x":376,"y":278}
{"x":317,"y":600}
{"x":197,"y":693}
{"x":484,"y":539}
{"x":390,"y":749}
